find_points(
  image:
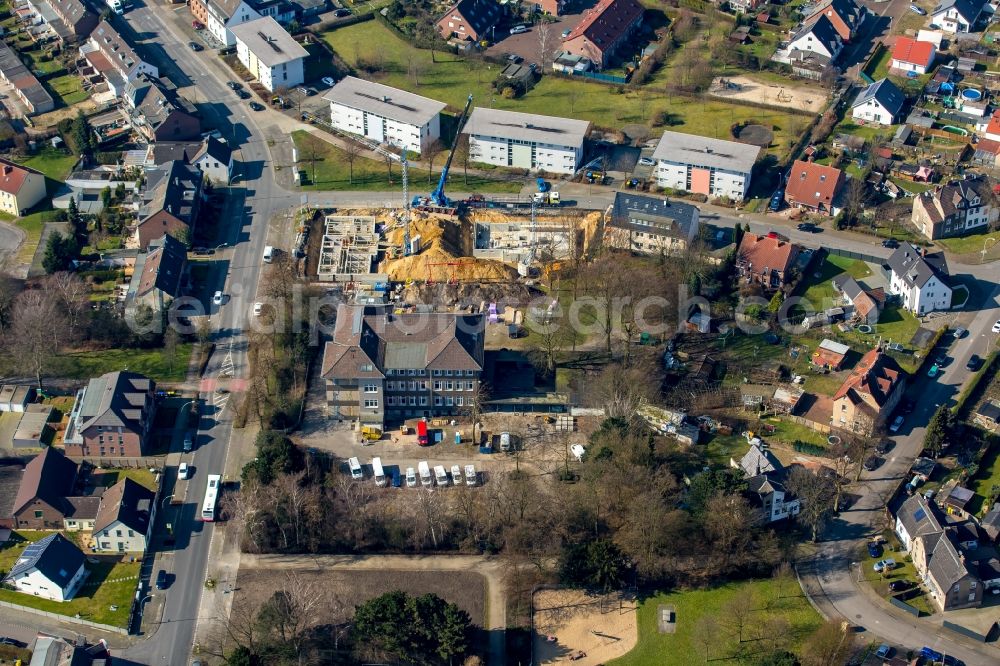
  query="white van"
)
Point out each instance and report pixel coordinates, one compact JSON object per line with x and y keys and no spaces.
{"x":505,"y":441}
{"x":441,"y":475}
{"x":456,"y":475}
{"x":411,"y":478}
{"x":355,"y":466}
{"x":425,"y":474}
{"x":378,"y":472}
{"x":268,"y":254}
{"x":117,"y":6}
{"x":470,"y":475}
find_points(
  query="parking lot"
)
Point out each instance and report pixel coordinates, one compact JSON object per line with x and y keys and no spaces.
{"x":528,"y":44}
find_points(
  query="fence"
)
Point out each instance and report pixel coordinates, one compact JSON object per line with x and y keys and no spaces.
{"x":943,"y":134}
{"x":64,"y":618}
{"x":965,"y":631}
{"x":144,"y":462}
{"x":902,"y":605}
{"x":855,"y":255}
{"x":813,"y":425}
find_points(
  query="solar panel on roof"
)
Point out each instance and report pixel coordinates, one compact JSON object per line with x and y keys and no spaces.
{"x":920,"y":514}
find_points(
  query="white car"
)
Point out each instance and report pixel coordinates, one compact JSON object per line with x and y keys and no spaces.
{"x":996,"y":326}
{"x":411,"y":478}
{"x":896,"y":425}
{"x":183,"y":472}
{"x":217,"y":298}
{"x":647,"y":161}
{"x":188,"y":442}
{"x":888,"y":564}
{"x":918,"y":10}
{"x":257,"y":307}
{"x":518,"y":29}
{"x":328,"y":80}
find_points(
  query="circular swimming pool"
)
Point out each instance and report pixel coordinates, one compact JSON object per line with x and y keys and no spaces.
{"x":971,"y":94}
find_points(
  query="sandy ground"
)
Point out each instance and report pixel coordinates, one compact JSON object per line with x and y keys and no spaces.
{"x":750,"y":90}
{"x":575,"y":619}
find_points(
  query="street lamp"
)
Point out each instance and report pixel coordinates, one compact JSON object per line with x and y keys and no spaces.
{"x":142,"y":603}
{"x":982,"y":257}
{"x":163,"y":502}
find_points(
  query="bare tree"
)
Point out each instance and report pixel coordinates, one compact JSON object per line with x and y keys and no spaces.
{"x":546,"y":44}
{"x":352,"y":151}
{"x":706,"y":635}
{"x":72,"y":294}
{"x":816,"y":493}
{"x":431,"y":153}
{"x":35,"y":335}
{"x":784,"y":578}
{"x":415,"y":69}
{"x":10,"y":287}
{"x":170,"y":341}
{"x":738,"y":612}
{"x":244,"y":516}
{"x":828,"y":646}
{"x":462,"y":154}
{"x":623,"y":390}
{"x":310,"y":153}
{"x":475,"y":405}
{"x":857,"y":196}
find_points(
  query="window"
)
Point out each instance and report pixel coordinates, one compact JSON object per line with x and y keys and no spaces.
{"x":39,"y":514}
{"x":413,"y":386}
{"x":371,"y":388}
{"x":470,"y":373}
{"x":118,"y":533}
{"x":371,"y":404}
{"x":469,"y":386}
{"x":447,"y":373}
{"x":390,"y":401}
{"x":437,"y":373}
{"x":423,"y":386}
{"x":423,"y":401}
{"x":413,"y":401}
{"x":449,"y":401}
{"x":411,"y":372}
{"x":437,"y":386}
{"x":459,"y":401}
{"x":365,"y":367}
{"x":437,"y":401}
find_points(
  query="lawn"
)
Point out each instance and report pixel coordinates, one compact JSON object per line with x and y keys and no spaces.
{"x":94,"y":600}
{"x":330,"y":171}
{"x":820,"y":292}
{"x":109,"y":477}
{"x":68,"y":88}
{"x":904,"y":571}
{"x":54,"y":163}
{"x":985,"y":479}
{"x":150,"y":362}
{"x":973,"y":243}
{"x":32,"y":225}
{"x":693,"y":607}
{"x":450,"y":79}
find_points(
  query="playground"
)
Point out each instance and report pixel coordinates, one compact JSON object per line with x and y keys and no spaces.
{"x":750,"y":90}
{"x":582,"y":628}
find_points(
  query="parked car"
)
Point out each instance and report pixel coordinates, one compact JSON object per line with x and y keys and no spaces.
{"x":518,"y":29}
{"x":243,"y":94}
{"x":514,"y":58}
{"x":257,"y":307}
{"x":897,"y":423}
{"x":341,"y":13}
{"x":941,"y":360}
{"x":647,"y":161}
{"x":974,"y":363}
{"x":566,"y":33}
{"x":900,"y":585}
{"x":256,"y":106}
{"x":183,"y":471}
{"x":874,"y":549}
{"x":934,"y":371}
{"x":884,"y":446}
{"x":161,"y":580}
{"x":188,"y":442}
{"x":809,"y":227}
{"x":411,"y":478}
{"x":327,"y":80}
{"x":872,"y":463}
{"x":890,"y":243}
{"x":909,"y":405}
{"x":13,"y":642}
{"x":883,"y":651}
{"x":918,"y":10}
{"x":217,"y":298}
{"x":195,"y":46}
{"x":777,"y":199}
{"x":959,"y":332}
{"x":197,"y":25}
{"x":233,"y":85}
{"x":996,"y":327}
{"x":888,"y":564}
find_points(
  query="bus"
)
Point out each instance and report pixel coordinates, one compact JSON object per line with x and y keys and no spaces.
{"x":211,"y":497}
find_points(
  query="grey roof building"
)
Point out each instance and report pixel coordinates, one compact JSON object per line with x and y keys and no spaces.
{"x":916,"y":266}
{"x":529,"y":127}
{"x":28,"y":89}
{"x":885,"y":93}
{"x":159,"y":274}
{"x":56,"y":558}
{"x":705,"y":152}
{"x":269,"y":42}
{"x":384,"y":101}
{"x":957,"y":208}
{"x":821,"y":37}
{"x":915,"y":519}
{"x":650,"y":225}
{"x":991,"y":522}
{"x":113,"y":411}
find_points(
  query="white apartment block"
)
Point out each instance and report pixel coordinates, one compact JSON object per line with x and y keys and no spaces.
{"x":385,"y":115}
{"x":526,"y":140}
{"x":270,"y":54}
{"x":712,"y":167}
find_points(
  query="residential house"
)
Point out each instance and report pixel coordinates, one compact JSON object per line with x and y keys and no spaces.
{"x":220,"y":16}
{"x":830,"y":355}
{"x":40,"y":504}
{"x":158,"y":113}
{"x":604,"y":30}
{"x":745,"y":6}
{"x":953,"y":581}
{"x":125,"y":518}
{"x":51,"y":568}
{"x":470,"y":20}
{"x":991,"y":523}
{"x":68,"y":21}
{"x":846,"y":16}
{"x":171,"y":199}
{"x":766,"y":260}
{"x":956,"y":209}
{"x":650,"y":225}
{"x":112,"y":416}
{"x":958,"y":16}
{"x":21,"y":188}
{"x":49,"y":651}
{"x":916,"y":520}
{"x":212,"y":156}
{"x":158,"y":276}
{"x":956,"y":501}
{"x":550,"y":7}
{"x":919,"y":278}
{"x":866,"y":304}
{"x":765,"y":475}
{"x":526,"y":140}
{"x":814,"y":187}
{"x":988,"y":415}
{"x":987,"y":153}
{"x":991,"y":130}
{"x":383,"y":367}
{"x":30,"y":92}
{"x":911,"y":55}
{"x":270,"y":54}
{"x":115,"y":59}
{"x":819,"y":37}
{"x":712,"y":167}
{"x":881,"y":103}
{"x":384,"y":115}
{"x":869,"y":394}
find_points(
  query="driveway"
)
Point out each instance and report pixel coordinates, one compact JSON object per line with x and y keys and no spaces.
{"x":11,"y":238}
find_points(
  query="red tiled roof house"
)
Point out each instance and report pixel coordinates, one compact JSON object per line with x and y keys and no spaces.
{"x":603,"y":30}
{"x":869,"y":394}
{"x":910,"y":55}
{"x":814,"y":187}
{"x":20,"y":188}
{"x":765,"y":260}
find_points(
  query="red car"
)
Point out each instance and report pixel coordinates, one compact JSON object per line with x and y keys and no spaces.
{"x":197,"y":25}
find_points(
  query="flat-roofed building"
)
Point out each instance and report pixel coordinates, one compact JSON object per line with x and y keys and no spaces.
{"x":384,"y":114}
{"x":526,"y":140}
{"x":712,"y":167}
{"x":650,"y":225}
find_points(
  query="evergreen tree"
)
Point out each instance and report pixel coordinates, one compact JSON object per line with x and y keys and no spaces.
{"x":938,"y":430}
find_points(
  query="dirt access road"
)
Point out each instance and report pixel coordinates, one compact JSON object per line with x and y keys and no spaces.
{"x":496,"y":596}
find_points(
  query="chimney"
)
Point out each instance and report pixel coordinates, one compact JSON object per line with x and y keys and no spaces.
{"x":7,"y":169}
{"x":923,"y":252}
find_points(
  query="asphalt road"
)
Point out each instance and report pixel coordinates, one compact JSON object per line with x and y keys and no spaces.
{"x":243,"y":224}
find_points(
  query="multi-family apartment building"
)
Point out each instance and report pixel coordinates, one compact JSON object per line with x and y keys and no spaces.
{"x":712,"y":167}
{"x":270,"y":54}
{"x":955,"y":209}
{"x":526,"y":140}
{"x":112,"y":416}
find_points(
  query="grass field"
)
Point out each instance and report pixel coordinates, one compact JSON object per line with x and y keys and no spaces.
{"x":32,"y":225}
{"x":695,"y":606}
{"x":110,"y":584}
{"x":451,"y":79}
{"x":109,"y":477}
{"x":68,"y":88}
{"x":331,"y":171}
{"x":52,"y":162}
{"x":983,"y":482}
{"x":974,"y":243}
{"x":150,"y":362}
{"x":819,"y":290}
